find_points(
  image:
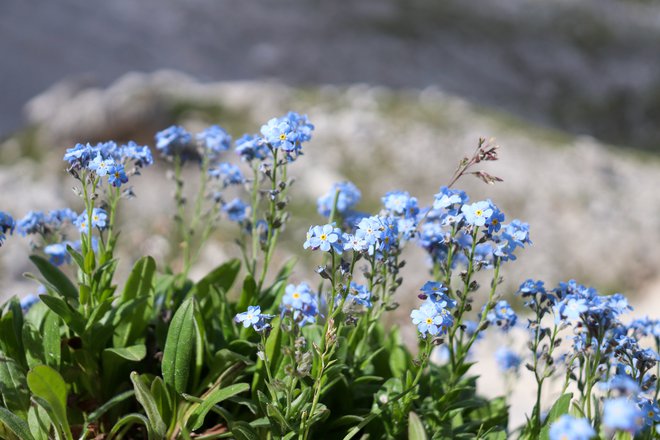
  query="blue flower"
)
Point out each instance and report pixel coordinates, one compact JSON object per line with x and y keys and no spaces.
{"x":568,"y":427}
{"x":622,"y":414}
{"x":532,"y":288}
{"x":236,"y":210}
{"x":140,"y":155}
{"x":101,"y":166}
{"x":280,"y":133}
{"x":622,"y":383}
{"x":58,"y":253}
{"x":494,"y":222}
{"x":227,"y":173}
{"x":253,"y":317}
{"x":357,"y":294}
{"x":430,"y":320}
{"x":57,"y":217}
{"x":79,"y":156}
{"x":450,"y":199}
{"x":507,"y":360}
{"x":117,"y":175}
{"x":215,"y":140}
{"x":296,"y":296}
{"x":650,"y":410}
{"x":571,"y":308}
{"x":354,"y":243}
{"x":301,"y":302}
{"x":29,"y":300}
{"x":176,"y":141}
{"x":34,"y":222}
{"x":502,"y":315}
{"x":517,"y":233}
{"x":437,"y":294}
{"x":324,"y":237}
{"x":349,"y":195}
{"x":302,"y":125}
{"x":252,"y":146}
{"x":99,"y":218}
{"x":288,"y":132}
{"x":400,"y":203}
{"x":477,"y":214}
{"x":646,"y":327}
{"x":7,"y":225}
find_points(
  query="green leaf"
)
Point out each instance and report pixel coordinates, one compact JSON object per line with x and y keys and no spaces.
{"x":143,"y":395}
{"x":34,"y":348}
{"x":13,"y":385}
{"x":55,"y":278}
{"x":52,"y":341}
{"x":47,"y":384}
{"x":134,"y":353}
{"x":71,"y":317}
{"x":131,"y":419}
{"x":98,"y":412}
{"x":15,"y":424}
{"x":179,"y":347}
{"x":415,"y":427}
{"x":77,"y":256}
{"x":162,"y":398}
{"x":140,"y":280}
{"x":222,"y":277}
{"x":248,"y":294}
{"x":39,"y":422}
{"x":197,"y":418}
{"x":243,"y":431}
{"x":560,"y":407}
{"x":11,"y":329}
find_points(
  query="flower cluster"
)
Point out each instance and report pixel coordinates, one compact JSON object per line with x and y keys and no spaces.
{"x":301,"y":303}
{"x":347,"y":195}
{"x":434,"y":316}
{"x":287,"y":133}
{"x":476,"y":230}
{"x":253,"y":317}
{"x":7,"y":225}
{"x":502,"y":316}
{"x":108,"y":159}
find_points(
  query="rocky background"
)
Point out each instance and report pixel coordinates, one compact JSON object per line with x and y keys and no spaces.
{"x":399,"y":91}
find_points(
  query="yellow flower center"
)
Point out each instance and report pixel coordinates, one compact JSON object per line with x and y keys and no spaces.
{"x":429,"y":320}
{"x":295,"y":295}
{"x":323,"y":236}
{"x":495,"y":221}
{"x":478,"y":212}
{"x":282,"y":137}
{"x":503,"y":311}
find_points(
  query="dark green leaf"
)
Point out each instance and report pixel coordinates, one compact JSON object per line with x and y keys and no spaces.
{"x":179,"y":347}
{"x":197,"y":418}
{"x":13,"y":385}
{"x":109,"y":405}
{"x":248,"y":295}
{"x":15,"y":424}
{"x":243,"y":431}
{"x":143,"y":395}
{"x":71,"y":317}
{"x":55,"y":279}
